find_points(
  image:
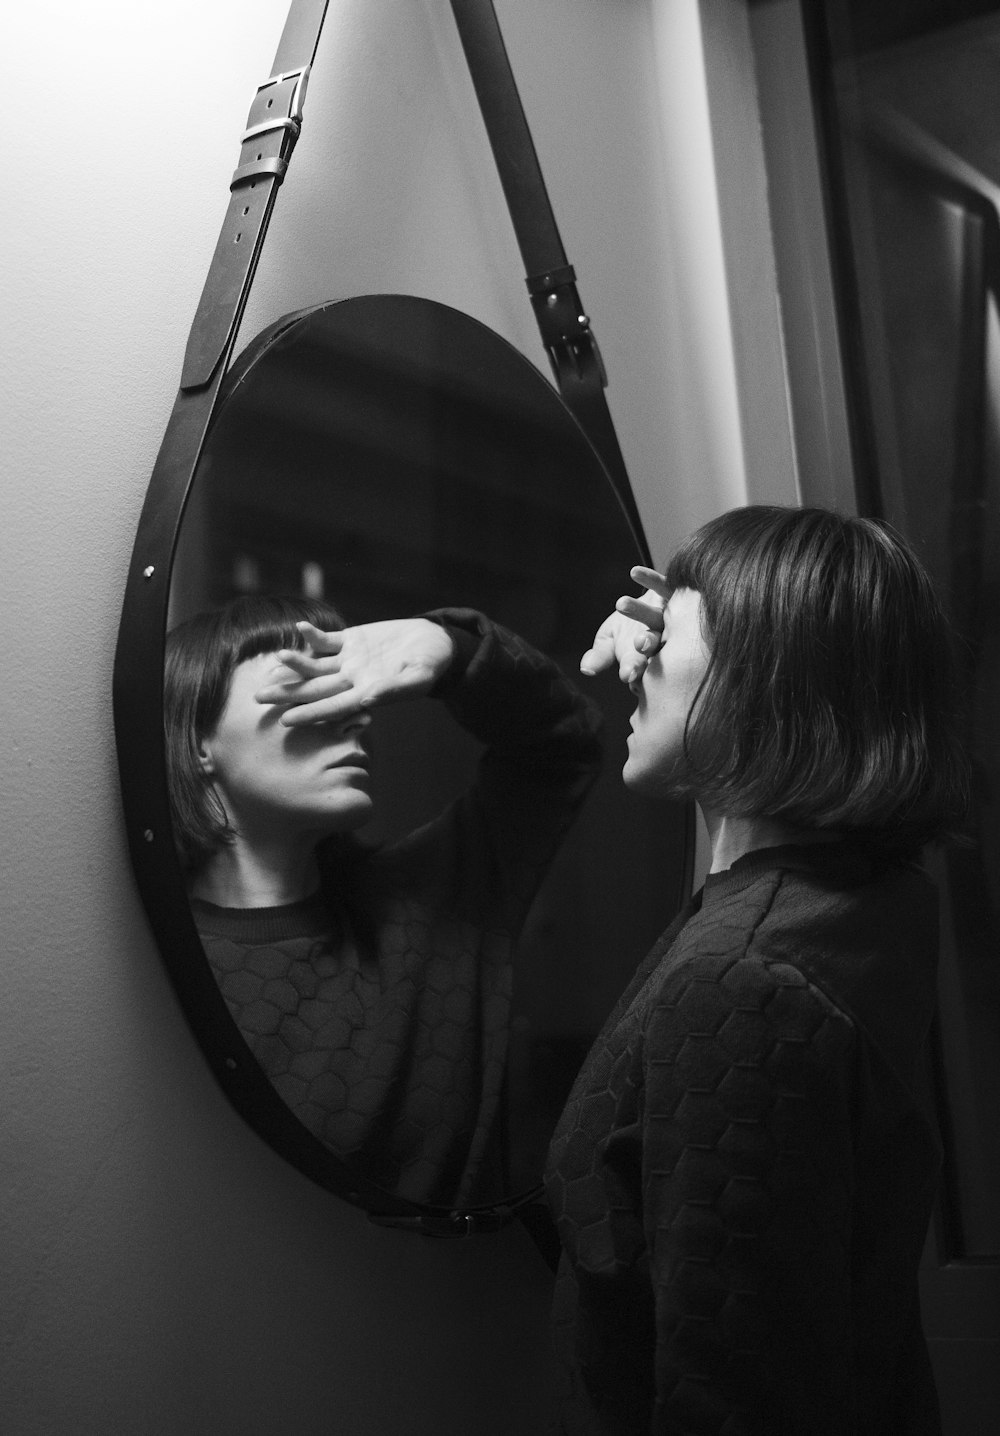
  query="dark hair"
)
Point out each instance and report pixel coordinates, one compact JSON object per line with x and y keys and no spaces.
{"x":830,"y":695}
{"x":201,"y":656}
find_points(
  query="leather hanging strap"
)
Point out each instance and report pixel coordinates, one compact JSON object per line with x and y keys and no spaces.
{"x":551,"y":279}
{"x":272,"y":129}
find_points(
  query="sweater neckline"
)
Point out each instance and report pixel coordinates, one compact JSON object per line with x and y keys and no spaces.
{"x":849,"y":862}
{"x":309,"y":917}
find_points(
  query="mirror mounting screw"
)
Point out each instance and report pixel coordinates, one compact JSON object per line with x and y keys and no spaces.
{"x":148,"y":571}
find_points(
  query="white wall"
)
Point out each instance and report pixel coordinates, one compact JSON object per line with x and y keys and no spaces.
{"x":393,"y":189}
{"x":162,"y":1271}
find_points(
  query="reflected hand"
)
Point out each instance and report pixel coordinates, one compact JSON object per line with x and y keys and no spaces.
{"x":633,"y":633}
{"x":343,"y":673}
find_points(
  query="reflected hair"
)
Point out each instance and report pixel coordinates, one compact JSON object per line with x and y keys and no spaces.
{"x":202,"y":654}
{"x":830,"y":697}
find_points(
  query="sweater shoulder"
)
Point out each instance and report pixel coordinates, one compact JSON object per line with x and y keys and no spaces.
{"x":810,"y":947}
{"x":834,"y":931}
{"x":725,"y":973}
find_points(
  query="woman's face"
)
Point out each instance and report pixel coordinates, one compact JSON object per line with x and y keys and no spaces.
{"x":665,"y":694}
{"x":279,"y":781}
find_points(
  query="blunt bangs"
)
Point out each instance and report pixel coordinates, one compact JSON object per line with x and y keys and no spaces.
{"x":830,"y":696}
{"x":201,"y":656}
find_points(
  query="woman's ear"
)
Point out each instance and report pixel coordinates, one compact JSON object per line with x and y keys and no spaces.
{"x":205,"y":760}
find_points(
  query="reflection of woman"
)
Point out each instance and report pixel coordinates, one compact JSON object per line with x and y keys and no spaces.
{"x":744,"y":1172}
{"x":372,"y":986}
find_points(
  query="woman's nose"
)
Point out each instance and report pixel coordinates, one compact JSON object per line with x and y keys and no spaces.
{"x":357,"y":723}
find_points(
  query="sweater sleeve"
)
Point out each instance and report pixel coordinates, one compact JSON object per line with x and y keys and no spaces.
{"x":541,"y":754}
{"x":515,"y":699}
{"x":747,"y":1182}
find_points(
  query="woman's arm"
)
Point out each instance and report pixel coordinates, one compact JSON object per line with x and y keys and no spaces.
{"x":540,"y":737}
{"x":541,"y":752}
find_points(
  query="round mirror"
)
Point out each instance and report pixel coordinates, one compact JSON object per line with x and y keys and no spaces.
{"x":392,"y":457}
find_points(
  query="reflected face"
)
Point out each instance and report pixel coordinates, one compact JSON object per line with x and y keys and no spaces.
{"x":274,"y":780}
{"x":665,"y":694}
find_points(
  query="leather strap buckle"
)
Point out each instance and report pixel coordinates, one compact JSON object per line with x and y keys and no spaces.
{"x":301,"y":77}
{"x":288,"y":125}
{"x":565,"y":329}
{"x":446,"y":1225}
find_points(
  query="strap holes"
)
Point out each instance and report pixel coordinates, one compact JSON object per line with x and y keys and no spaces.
{"x":239,"y":236}
{"x":246,"y":209}
{"x":270,"y":103}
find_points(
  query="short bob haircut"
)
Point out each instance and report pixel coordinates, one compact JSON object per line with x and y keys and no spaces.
{"x":829,"y":701}
{"x":201,"y":656}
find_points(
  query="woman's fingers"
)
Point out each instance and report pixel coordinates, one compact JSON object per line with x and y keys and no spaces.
{"x":336,"y":708}
{"x":651,"y":580}
{"x":617,"y":644}
{"x":304,"y":690}
{"x":642,"y":609}
{"x":321,"y":641}
{"x":600,"y":655}
{"x":303,"y":666}
{"x":307,"y":665}
{"x":631,"y":635}
{"x":341,"y":673}
{"x":647,"y":609}
{"x":649,"y":619}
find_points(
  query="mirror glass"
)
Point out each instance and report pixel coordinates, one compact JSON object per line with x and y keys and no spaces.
{"x":393,"y":456}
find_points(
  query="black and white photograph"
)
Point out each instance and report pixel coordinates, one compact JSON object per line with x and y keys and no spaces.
{"x":500,"y":856}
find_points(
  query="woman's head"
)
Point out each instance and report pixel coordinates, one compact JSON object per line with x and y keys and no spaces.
{"x":824,"y":691}
{"x":231,"y":764}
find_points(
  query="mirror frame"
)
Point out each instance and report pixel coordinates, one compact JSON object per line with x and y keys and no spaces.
{"x":138,"y":701}
{"x":273,"y":125}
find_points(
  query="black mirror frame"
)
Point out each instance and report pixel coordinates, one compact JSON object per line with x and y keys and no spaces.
{"x":138,"y":708}
{"x":273,"y":125}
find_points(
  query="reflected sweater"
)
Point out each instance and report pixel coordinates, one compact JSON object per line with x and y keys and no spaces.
{"x":743,"y":1176}
{"x":380,"y":1009}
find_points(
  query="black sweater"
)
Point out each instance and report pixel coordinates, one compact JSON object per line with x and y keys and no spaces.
{"x":380,"y":1009}
{"x":743,"y":1176}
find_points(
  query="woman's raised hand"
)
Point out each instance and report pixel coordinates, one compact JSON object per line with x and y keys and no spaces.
{"x":350,"y":670}
{"x":633,"y":633}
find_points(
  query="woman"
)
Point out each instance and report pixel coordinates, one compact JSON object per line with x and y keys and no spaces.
{"x":373,"y":986}
{"x":743,"y":1176}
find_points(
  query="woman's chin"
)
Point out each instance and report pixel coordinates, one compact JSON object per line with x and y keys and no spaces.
{"x":351,"y":813}
{"x":633,"y":775}
{"x":358,"y":813}
{"x":660,"y":780}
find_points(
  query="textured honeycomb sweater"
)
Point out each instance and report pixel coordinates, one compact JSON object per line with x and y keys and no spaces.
{"x":743,"y":1176}
{"x":380,"y":1008}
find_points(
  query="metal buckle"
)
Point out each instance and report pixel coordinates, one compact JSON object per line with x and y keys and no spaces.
{"x":291,"y":124}
{"x":298,"y":94}
{"x":566,"y":333}
{"x":446,"y":1225}
{"x":268,"y":126}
